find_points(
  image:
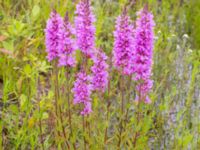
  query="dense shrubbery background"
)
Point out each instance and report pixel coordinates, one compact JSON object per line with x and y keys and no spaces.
{"x":27,"y":88}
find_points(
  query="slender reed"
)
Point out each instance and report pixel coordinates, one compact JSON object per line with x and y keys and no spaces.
{"x":69,"y":106}
{"x":85,"y":143}
{"x":122,"y":110}
{"x":107,"y":118}
{"x":109,"y":102}
{"x":58,"y":108}
{"x":55,"y":96}
{"x":1,"y":140}
{"x":107,"y":114}
{"x":138,"y":119}
{"x":55,"y":74}
{"x":41,"y":134}
{"x":68,"y":100}
{"x":40,"y":121}
{"x":128,"y":98}
{"x":122,"y":95}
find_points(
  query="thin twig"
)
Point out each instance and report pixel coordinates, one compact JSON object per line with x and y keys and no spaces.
{"x":122,"y":110}
{"x":69,"y":107}
{"x":68,"y":100}
{"x":57,"y":106}
{"x":108,"y":104}
{"x":40,"y":121}
{"x":84,"y":133}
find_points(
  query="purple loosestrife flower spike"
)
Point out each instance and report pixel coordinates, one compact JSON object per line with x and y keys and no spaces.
{"x":66,"y":47}
{"x":99,"y":78}
{"x":143,"y":54}
{"x":87,"y":109}
{"x":54,"y":25}
{"x":84,"y":26}
{"x":82,"y":92}
{"x":123,"y":44}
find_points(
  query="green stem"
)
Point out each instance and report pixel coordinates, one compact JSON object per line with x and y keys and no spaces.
{"x":68,"y":100}
{"x":122,"y":110}
{"x":69,"y":107}
{"x":55,"y":88}
{"x":129,"y":96}
{"x":138,"y":118}
{"x":84,"y":133}
{"x":40,"y":121}
{"x":108,"y":104}
{"x":136,"y":134}
{"x":57,"y":106}
{"x":41,"y":134}
{"x":122,"y":95}
{"x":56,"y":97}
{"x":107,"y":118}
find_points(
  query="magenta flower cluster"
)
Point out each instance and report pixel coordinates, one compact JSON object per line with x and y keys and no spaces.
{"x":59,"y":42}
{"x":66,"y":47}
{"x":54,"y":24}
{"x":82,"y":92}
{"x":143,"y":54}
{"x":123,"y":44}
{"x":85,"y":39}
{"x":85,"y":84}
{"x":85,"y":29}
{"x":132,"y":51}
{"x":99,"y":78}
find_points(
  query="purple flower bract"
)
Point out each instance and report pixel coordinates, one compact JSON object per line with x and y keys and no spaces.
{"x":99,"y":79}
{"x":143,"y":54}
{"x":54,"y":25}
{"x":66,"y":47}
{"x":84,"y":26}
{"x":82,"y":92}
{"x":123,"y":44}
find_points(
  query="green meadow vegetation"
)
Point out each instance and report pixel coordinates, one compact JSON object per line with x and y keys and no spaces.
{"x":28,"y":82}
